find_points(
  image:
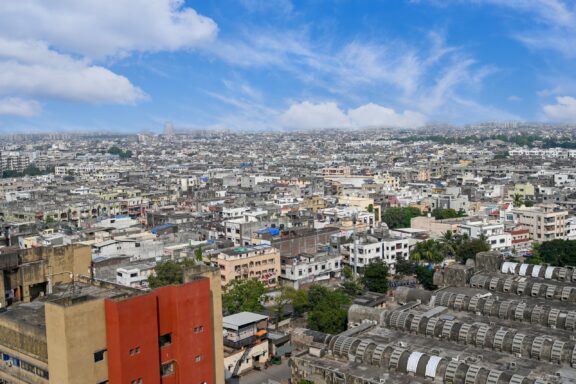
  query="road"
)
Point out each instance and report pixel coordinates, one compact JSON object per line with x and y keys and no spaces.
{"x":275,"y":374}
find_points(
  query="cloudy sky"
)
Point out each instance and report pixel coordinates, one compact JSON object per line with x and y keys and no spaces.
{"x":131,"y":65}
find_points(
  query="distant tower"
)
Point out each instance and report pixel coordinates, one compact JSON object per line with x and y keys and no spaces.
{"x":168,"y":129}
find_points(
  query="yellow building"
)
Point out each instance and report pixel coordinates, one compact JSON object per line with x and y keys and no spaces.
{"x":260,"y":262}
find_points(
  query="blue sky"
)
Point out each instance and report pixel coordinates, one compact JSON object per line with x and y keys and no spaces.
{"x":131,"y":65}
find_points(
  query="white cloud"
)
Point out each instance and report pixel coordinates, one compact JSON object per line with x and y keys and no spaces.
{"x":427,"y":76}
{"x":58,"y":49}
{"x":103,"y":28}
{"x":374,"y":115}
{"x":563,"y":111}
{"x":32,"y":69}
{"x":19,"y":107}
{"x":307,"y":115}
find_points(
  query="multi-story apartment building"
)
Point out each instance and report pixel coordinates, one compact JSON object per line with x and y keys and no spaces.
{"x":493,"y":232}
{"x":95,"y":332}
{"x":304,"y":269}
{"x":545,"y":221}
{"x":260,"y":262}
{"x":368,"y":250}
{"x":13,"y":161}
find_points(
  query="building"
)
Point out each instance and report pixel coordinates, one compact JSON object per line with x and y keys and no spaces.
{"x":245,"y":342}
{"x":260,"y":262}
{"x":135,"y":275}
{"x":545,"y":221}
{"x":304,"y":269}
{"x":95,"y":332}
{"x":26,"y":274}
{"x":502,"y":323}
{"x":492,"y":232}
{"x":367,"y":250}
{"x":521,"y":241}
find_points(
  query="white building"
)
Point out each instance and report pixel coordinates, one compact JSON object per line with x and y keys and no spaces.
{"x":493,"y":232}
{"x":367,"y":251}
{"x":135,"y":276}
{"x":306,"y":269}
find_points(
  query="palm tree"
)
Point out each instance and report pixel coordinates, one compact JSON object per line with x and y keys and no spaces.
{"x":449,"y":243}
{"x":429,"y":250}
{"x":517,"y":200}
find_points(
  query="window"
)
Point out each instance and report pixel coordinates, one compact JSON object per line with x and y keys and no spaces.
{"x":99,"y":356}
{"x":198,"y":358}
{"x":199,"y":329}
{"x":137,"y":245}
{"x":167,"y":369}
{"x":134,"y":351}
{"x":165,"y":340}
{"x":119,"y":274}
{"x":135,"y":381}
{"x":133,"y":275}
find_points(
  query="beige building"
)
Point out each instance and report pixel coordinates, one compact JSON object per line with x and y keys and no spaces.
{"x":545,"y":221}
{"x":62,"y":338}
{"x":260,"y":262}
{"x":436,"y":228}
{"x":524,"y":190}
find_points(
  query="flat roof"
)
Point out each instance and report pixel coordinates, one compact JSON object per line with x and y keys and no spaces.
{"x":241,"y":319}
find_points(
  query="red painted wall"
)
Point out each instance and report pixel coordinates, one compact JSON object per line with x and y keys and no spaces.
{"x":140,"y":321}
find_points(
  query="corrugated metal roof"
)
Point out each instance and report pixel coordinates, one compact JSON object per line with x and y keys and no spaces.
{"x":240,"y":319}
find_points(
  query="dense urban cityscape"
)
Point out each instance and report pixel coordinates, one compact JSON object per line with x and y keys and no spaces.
{"x":287,"y":192}
{"x":439,"y":254}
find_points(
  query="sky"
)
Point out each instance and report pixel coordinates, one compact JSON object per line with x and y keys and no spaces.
{"x":270,"y":65}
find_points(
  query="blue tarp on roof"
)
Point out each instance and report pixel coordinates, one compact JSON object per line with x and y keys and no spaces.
{"x":272,"y":231}
{"x":161,"y":228}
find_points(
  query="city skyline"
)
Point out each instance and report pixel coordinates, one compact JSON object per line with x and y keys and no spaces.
{"x":282,"y":65}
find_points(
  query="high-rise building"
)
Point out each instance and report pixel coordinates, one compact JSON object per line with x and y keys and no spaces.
{"x":168,"y":129}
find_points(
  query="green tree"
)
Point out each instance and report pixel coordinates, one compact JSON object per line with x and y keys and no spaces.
{"x":517,"y":200}
{"x":375,"y":277}
{"x":425,"y":276}
{"x":447,"y":213}
{"x":396,"y":217}
{"x":299,"y":299}
{"x":557,"y":252}
{"x":370,"y":208}
{"x":243,"y":295}
{"x":429,"y":250}
{"x":168,"y":273}
{"x":468,"y":248}
{"x":280,"y":301}
{"x":352,"y":288}
{"x":198,"y":253}
{"x":347,"y":272}
{"x":405,"y":267}
{"x":328,"y":309}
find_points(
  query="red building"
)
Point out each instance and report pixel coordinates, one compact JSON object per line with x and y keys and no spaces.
{"x":164,"y":337}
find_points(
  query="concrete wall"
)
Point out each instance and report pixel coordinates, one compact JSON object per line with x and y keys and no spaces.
{"x":213,"y":275}
{"x":75,"y":331}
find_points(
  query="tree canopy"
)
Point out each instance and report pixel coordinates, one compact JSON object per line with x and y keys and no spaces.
{"x":468,"y":248}
{"x":447,"y":213}
{"x":375,"y":277}
{"x":243,"y":295}
{"x":399,"y":217}
{"x":168,"y":273}
{"x":122,"y":154}
{"x":430,"y":250}
{"x":557,"y":252}
{"x":328,"y":309}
